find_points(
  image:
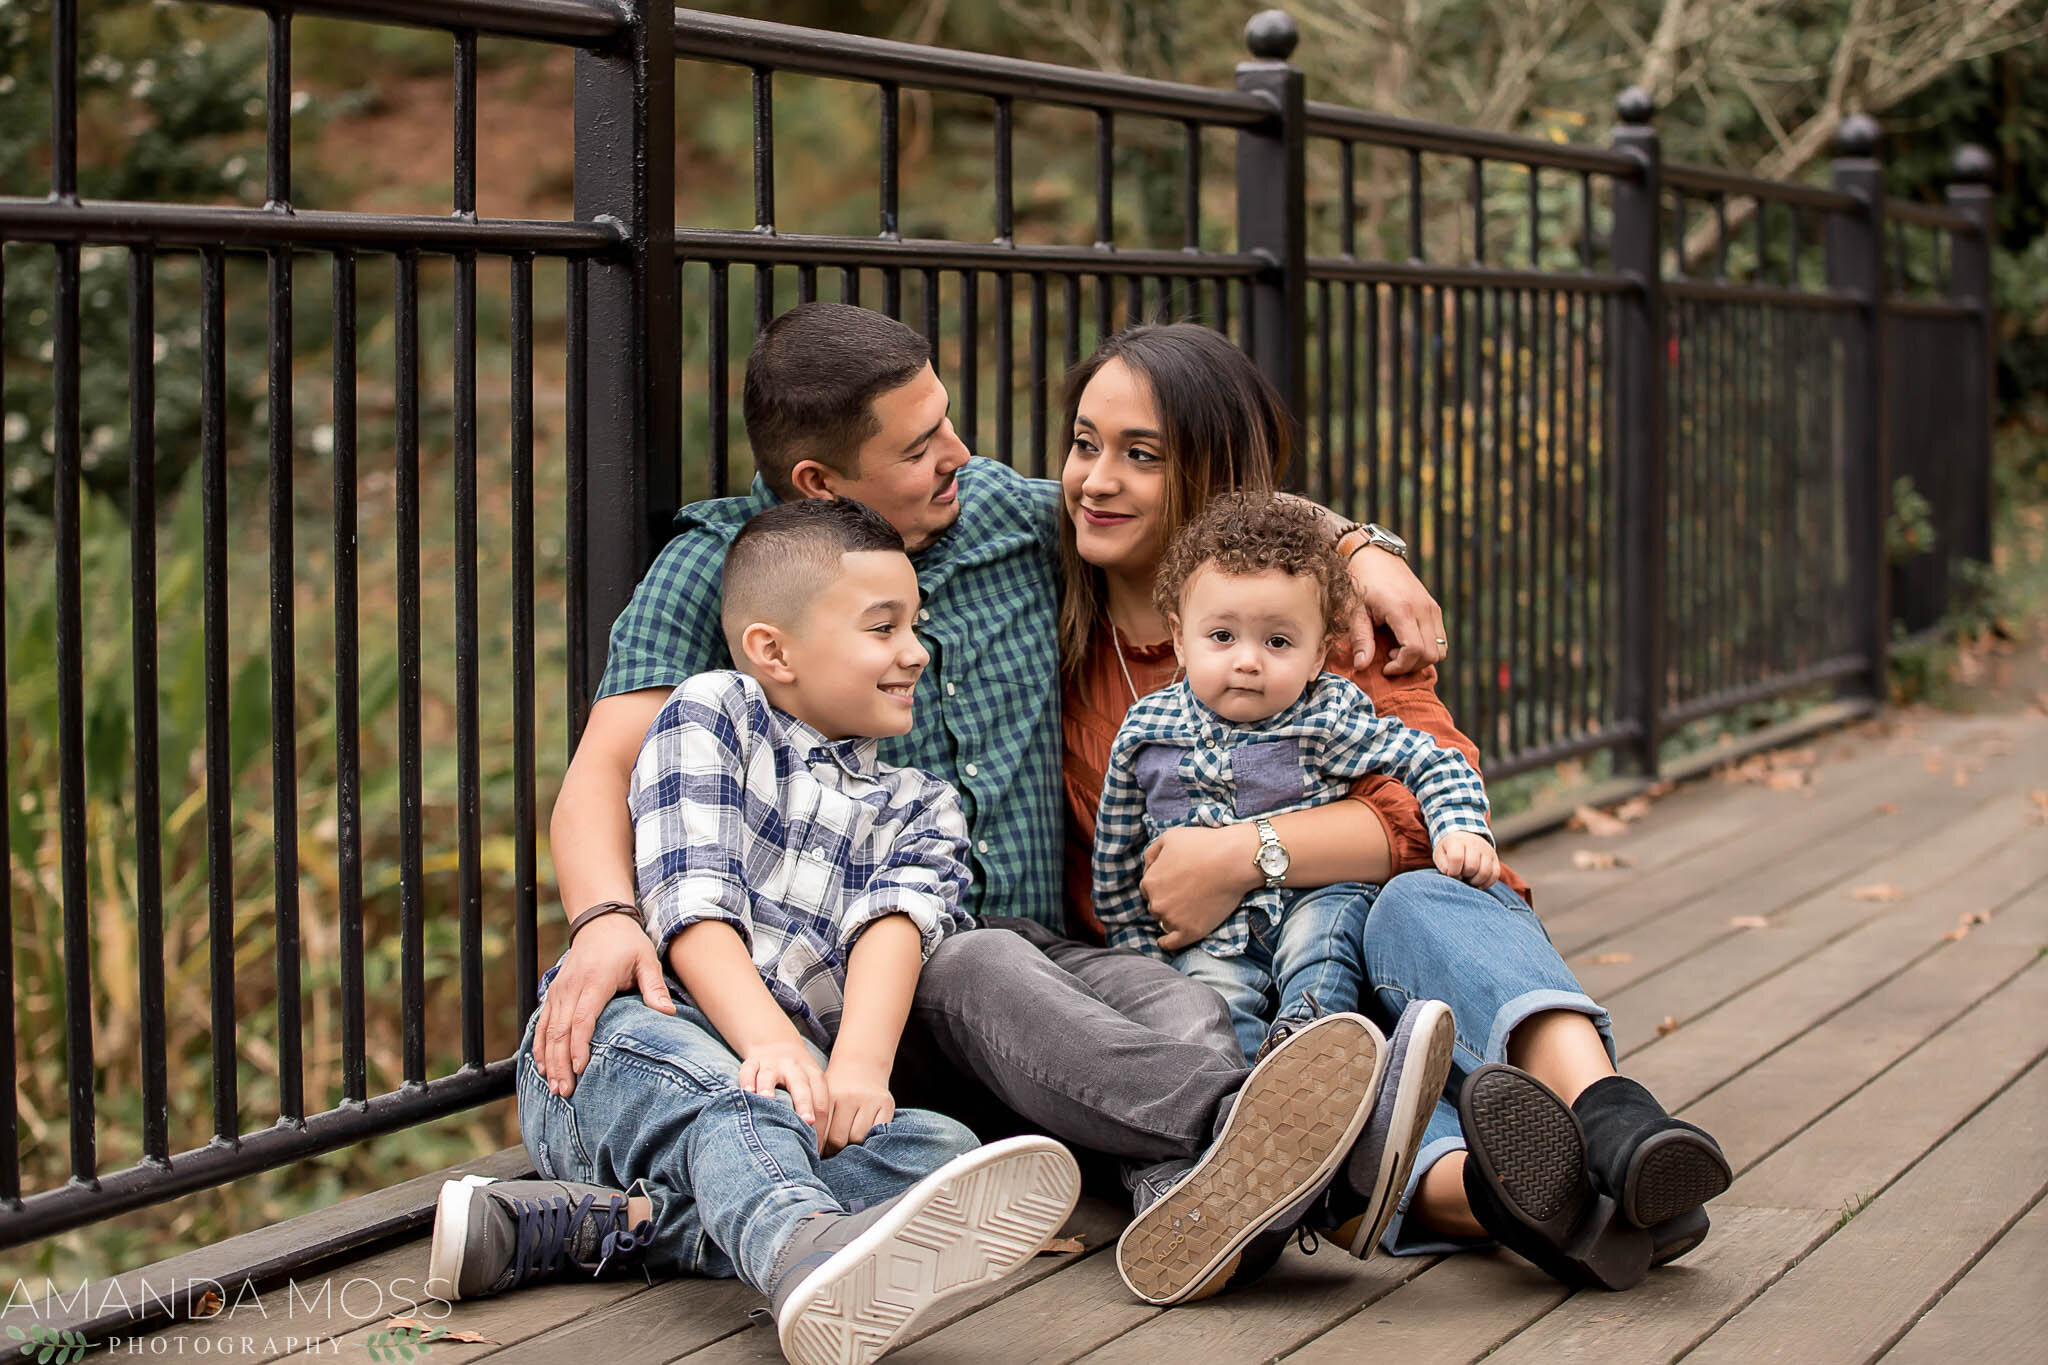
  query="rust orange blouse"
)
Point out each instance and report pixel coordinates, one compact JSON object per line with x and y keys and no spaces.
{"x":1092,"y":706}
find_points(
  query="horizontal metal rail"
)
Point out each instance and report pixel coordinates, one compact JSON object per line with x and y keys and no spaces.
{"x":1606,"y":737}
{"x":761,"y":248}
{"x":1707,"y":180}
{"x":784,"y":47}
{"x":151,"y":1182}
{"x":1766,"y":689}
{"x":1349,"y":269}
{"x":1774,"y":296}
{"x":574,"y":22}
{"x":1930,"y":215}
{"x":1906,"y":305}
{"x":1356,"y":125}
{"x":200,"y":225}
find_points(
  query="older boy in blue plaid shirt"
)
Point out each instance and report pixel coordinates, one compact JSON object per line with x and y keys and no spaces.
{"x":1253,"y":593}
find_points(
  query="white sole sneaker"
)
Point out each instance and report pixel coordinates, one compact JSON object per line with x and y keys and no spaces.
{"x":975,"y":1220}
{"x":1419,"y":1062}
{"x":451,"y":1223}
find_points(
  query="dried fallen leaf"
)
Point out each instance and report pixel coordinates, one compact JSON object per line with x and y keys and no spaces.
{"x":1957,"y":934}
{"x":2040,"y":800}
{"x":1597,"y":860}
{"x":1962,"y":777}
{"x":1788,"y":779}
{"x":1969,"y":917}
{"x":1659,"y":790}
{"x":1667,"y":1024}
{"x":1597,"y":823}
{"x":1061,"y":1246}
{"x":1878,"y":891}
{"x":1887,"y":808}
{"x":1749,"y":922}
{"x":1608,"y":959}
{"x":1633,"y":809}
{"x":208,"y":1305}
{"x":1791,"y":758}
{"x":1933,"y":762}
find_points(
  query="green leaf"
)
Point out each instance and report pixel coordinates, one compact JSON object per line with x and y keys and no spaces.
{"x":44,"y":1356}
{"x":15,"y":1332}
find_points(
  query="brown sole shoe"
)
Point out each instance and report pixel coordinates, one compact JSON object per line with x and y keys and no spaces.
{"x":1294,"y":1122}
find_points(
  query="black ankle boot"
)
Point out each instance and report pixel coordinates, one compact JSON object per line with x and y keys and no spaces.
{"x":1656,"y":1167}
{"x":1527,"y":1183}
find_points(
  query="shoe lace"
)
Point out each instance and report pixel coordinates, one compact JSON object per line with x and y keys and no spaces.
{"x":1305,"y":1237}
{"x":1283,"y":1029}
{"x":546,"y":1242}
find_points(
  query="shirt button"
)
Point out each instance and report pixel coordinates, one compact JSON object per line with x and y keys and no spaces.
{"x":923,"y":615}
{"x":981,"y":846}
{"x":950,"y":689}
{"x":971,"y":770}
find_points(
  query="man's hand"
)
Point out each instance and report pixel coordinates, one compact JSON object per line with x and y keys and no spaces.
{"x":1195,"y":876}
{"x":1390,"y":594}
{"x":789,"y":1066}
{"x":860,"y":1101}
{"x":610,"y":954}
{"x":1469,"y":857}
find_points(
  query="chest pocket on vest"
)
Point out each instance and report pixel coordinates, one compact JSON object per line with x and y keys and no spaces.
{"x":1157,"y":768}
{"x":1266,"y":776}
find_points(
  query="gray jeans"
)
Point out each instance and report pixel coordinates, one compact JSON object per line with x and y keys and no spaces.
{"x":1015,"y":1028}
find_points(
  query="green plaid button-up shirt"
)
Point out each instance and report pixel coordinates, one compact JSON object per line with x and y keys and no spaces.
{"x":987,"y":715}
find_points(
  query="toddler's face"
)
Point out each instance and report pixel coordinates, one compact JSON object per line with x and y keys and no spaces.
{"x":1250,"y":642}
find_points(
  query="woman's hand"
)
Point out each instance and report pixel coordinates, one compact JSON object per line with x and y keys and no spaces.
{"x":1195,"y":876}
{"x":1389,"y":594}
{"x":860,"y":1101}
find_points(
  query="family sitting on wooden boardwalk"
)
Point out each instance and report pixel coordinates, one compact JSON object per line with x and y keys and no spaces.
{"x":1069,"y":810}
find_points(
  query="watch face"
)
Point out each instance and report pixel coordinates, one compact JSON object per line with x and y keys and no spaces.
{"x":1272,"y":860}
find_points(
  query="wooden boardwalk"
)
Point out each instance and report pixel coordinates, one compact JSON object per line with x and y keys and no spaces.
{"x":1869,"y":1055}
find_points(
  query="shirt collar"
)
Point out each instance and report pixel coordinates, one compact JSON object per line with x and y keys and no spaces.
{"x":855,"y":756}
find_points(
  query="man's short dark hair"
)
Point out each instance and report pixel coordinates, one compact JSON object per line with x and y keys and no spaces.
{"x":785,"y":556}
{"x":812,"y":379}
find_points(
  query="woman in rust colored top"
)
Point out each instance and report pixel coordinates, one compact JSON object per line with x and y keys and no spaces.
{"x":1159,"y":420}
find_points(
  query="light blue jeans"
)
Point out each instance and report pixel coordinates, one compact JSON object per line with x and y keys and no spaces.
{"x":1486,"y":955}
{"x":1315,"y":950}
{"x":731,"y":1173}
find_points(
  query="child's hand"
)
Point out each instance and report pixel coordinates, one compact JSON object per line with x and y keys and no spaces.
{"x":860,"y":1101}
{"x":789,"y":1066}
{"x":1468,"y":857}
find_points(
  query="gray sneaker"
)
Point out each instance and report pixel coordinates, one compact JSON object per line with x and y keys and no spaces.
{"x":493,"y":1235}
{"x":1363,"y":1199}
{"x":847,"y":1287}
{"x":1295,"y":1118}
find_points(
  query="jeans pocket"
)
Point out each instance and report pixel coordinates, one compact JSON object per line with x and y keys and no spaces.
{"x":547,"y":1125}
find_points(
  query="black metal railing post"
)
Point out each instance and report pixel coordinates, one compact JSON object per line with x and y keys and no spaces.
{"x":1969,"y":192}
{"x":625,"y":173}
{"x":1856,"y":266}
{"x":1639,"y":363}
{"x":1272,"y":216}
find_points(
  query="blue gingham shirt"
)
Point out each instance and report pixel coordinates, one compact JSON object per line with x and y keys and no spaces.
{"x":1175,"y":762}
{"x":987,"y":713}
{"x":745,"y":815}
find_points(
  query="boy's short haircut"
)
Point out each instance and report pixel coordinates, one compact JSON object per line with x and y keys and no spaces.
{"x":812,"y":378}
{"x":785,"y":556}
{"x":1247,"y":533}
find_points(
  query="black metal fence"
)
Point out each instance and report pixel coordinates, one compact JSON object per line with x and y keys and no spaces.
{"x":1645,"y":461}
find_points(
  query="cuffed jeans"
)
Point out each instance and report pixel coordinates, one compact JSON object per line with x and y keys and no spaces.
{"x":1106,"y":1049}
{"x":730,"y":1173}
{"x":1486,"y":955}
{"x":1314,"y":951}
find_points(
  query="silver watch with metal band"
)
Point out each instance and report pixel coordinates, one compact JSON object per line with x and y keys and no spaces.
{"x":1271,"y":860}
{"x":1376,"y":534}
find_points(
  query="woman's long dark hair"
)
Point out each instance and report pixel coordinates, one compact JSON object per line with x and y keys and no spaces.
{"x":1223,"y":428}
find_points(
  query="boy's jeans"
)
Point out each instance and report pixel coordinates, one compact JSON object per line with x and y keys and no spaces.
{"x":730,"y":1173}
{"x":1316,"y":949}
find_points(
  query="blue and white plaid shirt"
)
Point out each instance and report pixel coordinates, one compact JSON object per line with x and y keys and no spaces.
{"x":1175,"y":762}
{"x":745,"y":815}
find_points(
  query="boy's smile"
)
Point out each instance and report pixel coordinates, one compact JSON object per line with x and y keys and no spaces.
{"x":855,"y":655}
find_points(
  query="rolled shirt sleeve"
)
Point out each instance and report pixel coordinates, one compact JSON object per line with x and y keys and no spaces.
{"x":923,"y":876}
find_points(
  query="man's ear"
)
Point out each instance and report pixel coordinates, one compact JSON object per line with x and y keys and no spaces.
{"x":767,"y":653}
{"x":813,"y":479}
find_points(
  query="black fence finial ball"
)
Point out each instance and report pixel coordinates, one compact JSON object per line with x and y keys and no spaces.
{"x":1270,"y":35}
{"x":1971,"y":166}
{"x":1857,"y":136}
{"x":1634,"y":105}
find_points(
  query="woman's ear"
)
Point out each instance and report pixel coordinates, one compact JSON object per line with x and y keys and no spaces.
{"x":767,"y":653}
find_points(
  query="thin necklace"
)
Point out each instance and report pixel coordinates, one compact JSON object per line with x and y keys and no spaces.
{"x":1118,"y":641}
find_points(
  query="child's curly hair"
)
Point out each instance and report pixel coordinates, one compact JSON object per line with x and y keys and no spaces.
{"x":1246,"y":533}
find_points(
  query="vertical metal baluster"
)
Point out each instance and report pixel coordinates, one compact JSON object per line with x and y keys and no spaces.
{"x":1191,"y":201}
{"x":969,"y":423}
{"x":575,"y":473}
{"x":284,"y":779}
{"x":149,"y":900}
{"x":1105,"y":158}
{"x":1535,"y":221}
{"x":220,"y":811}
{"x":1585,"y":220}
{"x":931,"y":315}
{"x":764,"y":195}
{"x":1037,"y":342}
{"x":1450,"y":498}
{"x":1006,"y":327}
{"x":806,"y":283}
{"x":1589,"y":715}
{"x":1763,"y":241}
{"x":411,"y":831}
{"x":1417,"y":445}
{"x":1070,"y":312}
{"x":1479,"y":208}
{"x":1320,"y":480}
{"x":1415,"y":206}
{"x":64,"y":100}
{"x":526,"y":866}
{"x":849,"y":287}
{"x":1443,"y":569}
{"x":468,"y":725}
{"x":1720,"y":236}
{"x":65,"y":513}
{"x":10,"y":1097}
{"x":1678,"y":217}
{"x":1698,"y":385}
{"x":1387,"y":506}
{"x":892,"y":277}
{"x":1553,"y":528}
{"x":1494,"y":514}
{"x":1528,"y":357}
{"x":1347,"y":483}
{"x":1134,"y":302}
{"x":1575,"y":519}
{"x":718,"y":381}
{"x":348,"y":798}
{"x":1792,"y":247}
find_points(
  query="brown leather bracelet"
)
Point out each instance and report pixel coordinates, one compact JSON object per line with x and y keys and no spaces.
{"x":606,"y":908}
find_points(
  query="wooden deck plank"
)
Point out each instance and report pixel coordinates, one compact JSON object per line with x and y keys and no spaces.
{"x":1461,"y":1308}
{"x":1675,"y":1308}
{"x":1896,"y":1256}
{"x":1995,"y":1312}
{"x":1056,"y":1320}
